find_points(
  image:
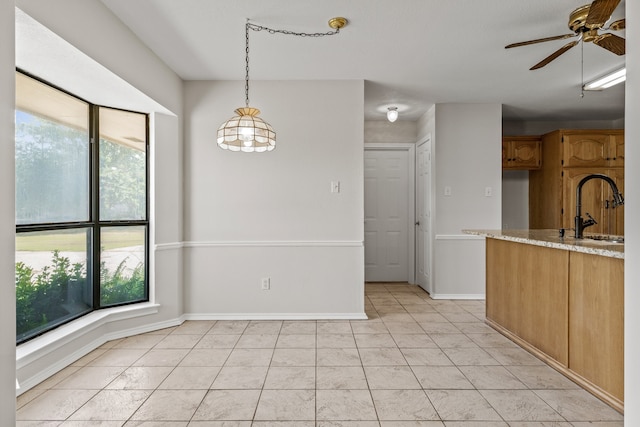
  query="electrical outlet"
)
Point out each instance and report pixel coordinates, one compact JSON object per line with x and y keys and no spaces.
{"x":447,"y":190}
{"x":266,"y":283}
{"x":488,"y":191}
{"x":335,"y":186}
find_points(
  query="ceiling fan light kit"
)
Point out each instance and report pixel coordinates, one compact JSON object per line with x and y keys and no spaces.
{"x":246,"y":131}
{"x":585,"y":22}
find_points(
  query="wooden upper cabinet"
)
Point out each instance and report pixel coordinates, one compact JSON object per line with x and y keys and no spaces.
{"x":597,"y":149}
{"x":521,"y":152}
{"x":568,"y":155}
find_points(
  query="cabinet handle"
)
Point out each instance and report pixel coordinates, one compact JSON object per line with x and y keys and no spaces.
{"x":606,"y":204}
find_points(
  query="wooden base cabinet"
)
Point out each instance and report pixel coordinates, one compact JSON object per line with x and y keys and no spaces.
{"x":527,"y":294}
{"x":565,"y":307}
{"x":596,"y":321}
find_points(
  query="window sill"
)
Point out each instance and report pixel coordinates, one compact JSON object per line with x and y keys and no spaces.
{"x":39,"y":347}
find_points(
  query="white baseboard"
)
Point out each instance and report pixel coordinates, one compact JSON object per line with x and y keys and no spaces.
{"x":459,"y":296}
{"x":275,"y":316}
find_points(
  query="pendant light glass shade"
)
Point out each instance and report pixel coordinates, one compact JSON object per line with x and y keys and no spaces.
{"x":246,"y":132}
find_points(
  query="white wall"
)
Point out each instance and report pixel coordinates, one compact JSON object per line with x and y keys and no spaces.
{"x":466,"y":158}
{"x":632,"y":226}
{"x":7,"y":217}
{"x":402,"y":131}
{"x":106,"y":62}
{"x":515,"y":199}
{"x":468,"y":161}
{"x":250,"y":216}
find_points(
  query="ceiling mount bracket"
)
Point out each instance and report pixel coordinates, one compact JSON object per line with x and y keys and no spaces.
{"x":337,"y":22}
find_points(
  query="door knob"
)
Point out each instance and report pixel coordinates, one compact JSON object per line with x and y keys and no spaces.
{"x":418,"y":223}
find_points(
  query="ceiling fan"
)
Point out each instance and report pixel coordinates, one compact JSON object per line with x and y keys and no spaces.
{"x":585,"y":22}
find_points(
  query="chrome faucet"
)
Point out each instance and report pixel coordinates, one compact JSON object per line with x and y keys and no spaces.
{"x":580,"y":223}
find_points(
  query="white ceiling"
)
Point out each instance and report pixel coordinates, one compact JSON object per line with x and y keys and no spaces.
{"x":411,"y":53}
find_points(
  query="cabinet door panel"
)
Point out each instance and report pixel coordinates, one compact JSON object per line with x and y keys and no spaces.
{"x":543,"y":299}
{"x":586,"y":150}
{"x":521,"y":152}
{"x":616,"y":151}
{"x":527,"y":294}
{"x":505,"y":154}
{"x":526,"y":153}
{"x":596,"y":320}
{"x":614,"y":215}
{"x":502,"y":293}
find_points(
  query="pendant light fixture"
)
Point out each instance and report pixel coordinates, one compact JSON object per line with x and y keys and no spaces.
{"x":246,"y":131}
{"x":392,"y":114}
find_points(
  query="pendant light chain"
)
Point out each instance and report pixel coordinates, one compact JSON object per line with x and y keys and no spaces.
{"x":255,"y":27}
{"x":246,"y":60}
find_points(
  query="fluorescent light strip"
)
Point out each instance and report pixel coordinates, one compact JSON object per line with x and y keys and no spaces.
{"x":609,"y":80}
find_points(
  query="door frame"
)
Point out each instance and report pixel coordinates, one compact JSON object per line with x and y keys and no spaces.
{"x":430,"y":200}
{"x":411,"y":197}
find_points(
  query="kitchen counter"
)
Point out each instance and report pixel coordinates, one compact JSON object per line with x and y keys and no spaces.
{"x":562,"y":299}
{"x":551,"y":239}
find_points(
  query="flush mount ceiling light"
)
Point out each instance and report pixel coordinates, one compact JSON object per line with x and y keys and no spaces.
{"x":608,"y":80}
{"x":392,"y":114}
{"x":246,"y":131}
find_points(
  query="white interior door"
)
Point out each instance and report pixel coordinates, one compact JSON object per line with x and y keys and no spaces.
{"x":423,"y":216}
{"x":386,"y":214}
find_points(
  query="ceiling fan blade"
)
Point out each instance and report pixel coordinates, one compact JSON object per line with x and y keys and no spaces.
{"x":618,"y":25}
{"x":554,"y":55}
{"x":611,"y":42}
{"x":546,"y":39}
{"x":600,"y":12}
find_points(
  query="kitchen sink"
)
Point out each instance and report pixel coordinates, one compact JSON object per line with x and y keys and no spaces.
{"x":605,"y":238}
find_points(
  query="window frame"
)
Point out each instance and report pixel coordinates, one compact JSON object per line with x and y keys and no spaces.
{"x":93,"y":223}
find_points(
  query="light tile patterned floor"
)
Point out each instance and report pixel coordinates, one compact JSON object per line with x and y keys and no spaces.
{"x":416,"y":362}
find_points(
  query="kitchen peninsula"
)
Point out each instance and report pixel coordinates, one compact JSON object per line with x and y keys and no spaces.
{"x":562,"y":299}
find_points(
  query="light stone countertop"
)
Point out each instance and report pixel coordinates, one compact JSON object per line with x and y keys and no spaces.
{"x":552,"y":239}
